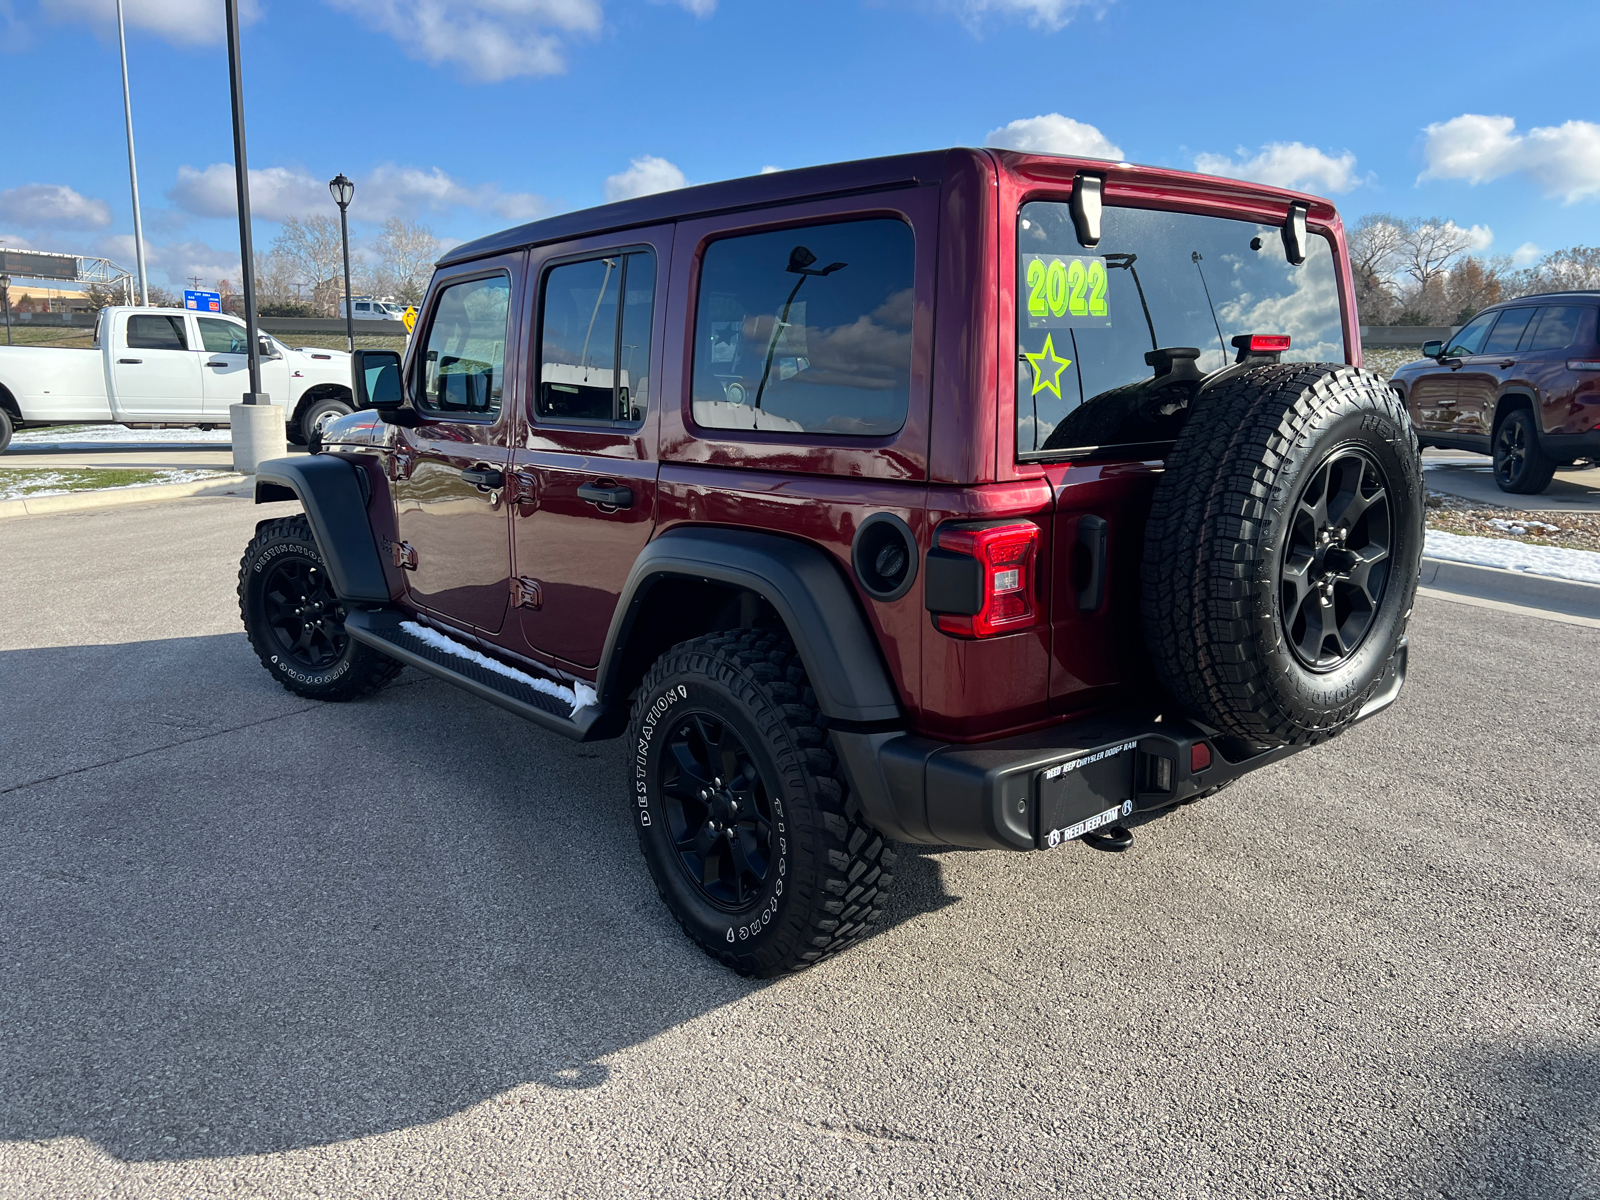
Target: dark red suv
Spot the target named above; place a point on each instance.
(969, 497)
(1520, 381)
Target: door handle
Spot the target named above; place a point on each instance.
(217, 364)
(1507, 362)
(606, 495)
(484, 478)
(130, 361)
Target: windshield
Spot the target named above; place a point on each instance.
(1090, 322)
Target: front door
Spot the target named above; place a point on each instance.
(225, 368)
(1481, 374)
(586, 468)
(155, 373)
(448, 471)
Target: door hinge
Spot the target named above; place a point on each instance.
(526, 593)
(403, 554)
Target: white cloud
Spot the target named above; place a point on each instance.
(53, 204)
(1052, 133)
(1564, 160)
(489, 40)
(770, 170)
(185, 22)
(644, 176)
(1525, 255)
(179, 262)
(1479, 237)
(386, 191)
(12, 241)
(1046, 14)
(700, 8)
(1287, 165)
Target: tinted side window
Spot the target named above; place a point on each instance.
(149, 332)
(806, 330)
(594, 339)
(223, 337)
(463, 367)
(1471, 337)
(1558, 328)
(1508, 330)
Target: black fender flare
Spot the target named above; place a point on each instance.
(332, 492)
(802, 583)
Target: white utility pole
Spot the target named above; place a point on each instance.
(133, 170)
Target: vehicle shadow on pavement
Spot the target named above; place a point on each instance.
(241, 922)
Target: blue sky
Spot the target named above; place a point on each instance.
(476, 114)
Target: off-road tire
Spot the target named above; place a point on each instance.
(347, 669)
(830, 870)
(1527, 473)
(1213, 581)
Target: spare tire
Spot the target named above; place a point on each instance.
(1282, 551)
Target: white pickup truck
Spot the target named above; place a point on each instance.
(166, 366)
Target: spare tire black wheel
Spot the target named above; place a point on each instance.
(1282, 552)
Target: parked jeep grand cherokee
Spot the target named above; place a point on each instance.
(1520, 381)
(972, 498)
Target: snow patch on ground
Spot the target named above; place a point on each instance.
(579, 695)
(27, 484)
(116, 435)
(1555, 561)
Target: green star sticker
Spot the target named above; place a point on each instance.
(1044, 379)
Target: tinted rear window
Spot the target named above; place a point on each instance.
(1087, 318)
(806, 330)
(150, 332)
(1508, 330)
(1557, 329)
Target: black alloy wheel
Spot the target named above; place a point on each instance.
(1511, 457)
(1336, 559)
(305, 617)
(719, 811)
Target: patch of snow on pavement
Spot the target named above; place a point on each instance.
(580, 695)
(1555, 561)
(34, 484)
(116, 435)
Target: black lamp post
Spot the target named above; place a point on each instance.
(241, 170)
(343, 192)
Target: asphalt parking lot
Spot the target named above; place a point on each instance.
(253, 946)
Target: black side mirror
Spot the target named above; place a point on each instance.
(375, 381)
(1432, 349)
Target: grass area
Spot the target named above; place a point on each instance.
(19, 483)
(1570, 530)
(336, 341)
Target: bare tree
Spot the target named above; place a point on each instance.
(1375, 243)
(1565, 270)
(1429, 247)
(100, 295)
(311, 251)
(1475, 283)
(406, 254)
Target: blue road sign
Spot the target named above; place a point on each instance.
(203, 301)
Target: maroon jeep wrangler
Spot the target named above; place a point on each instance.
(965, 498)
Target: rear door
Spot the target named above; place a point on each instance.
(585, 467)
(448, 472)
(1544, 360)
(155, 374)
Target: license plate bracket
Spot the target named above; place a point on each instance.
(1085, 793)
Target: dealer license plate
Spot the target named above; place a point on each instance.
(1083, 794)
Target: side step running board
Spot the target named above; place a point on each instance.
(382, 630)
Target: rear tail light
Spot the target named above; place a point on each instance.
(1260, 347)
(981, 580)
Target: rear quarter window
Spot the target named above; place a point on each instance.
(806, 330)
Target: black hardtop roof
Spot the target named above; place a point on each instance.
(1567, 294)
(730, 195)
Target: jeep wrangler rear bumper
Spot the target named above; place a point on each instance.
(1037, 790)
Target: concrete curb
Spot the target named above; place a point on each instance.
(224, 484)
(1518, 588)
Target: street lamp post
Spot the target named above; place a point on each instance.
(343, 192)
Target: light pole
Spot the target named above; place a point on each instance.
(343, 192)
(257, 423)
(133, 170)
